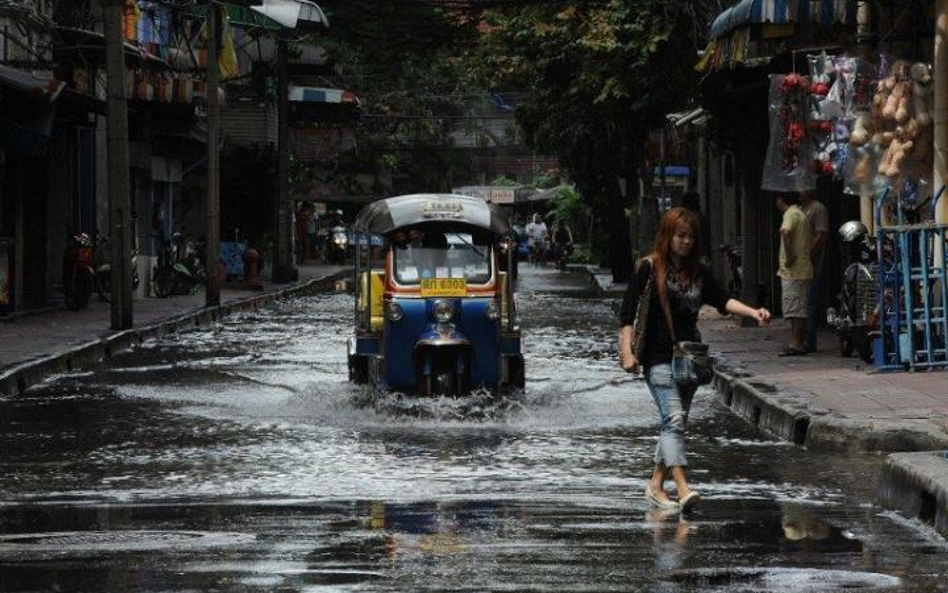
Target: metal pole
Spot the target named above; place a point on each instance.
(863, 36)
(212, 288)
(941, 109)
(283, 265)
(662, 181)
(118, 176)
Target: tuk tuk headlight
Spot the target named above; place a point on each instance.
(443, 311)
(492, 311)
(393, 311)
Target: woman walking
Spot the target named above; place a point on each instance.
(681, 286)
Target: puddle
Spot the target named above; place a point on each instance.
(783, 580)
(71, 542)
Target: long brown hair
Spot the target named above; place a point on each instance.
(661, 254)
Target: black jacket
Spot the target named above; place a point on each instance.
(684, 302)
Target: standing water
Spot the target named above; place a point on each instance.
(239, 458)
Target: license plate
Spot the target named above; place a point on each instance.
(444, 287)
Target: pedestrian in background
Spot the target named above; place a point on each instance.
(796, 269)
(312, 221)
(538, 236)
(682, 284)
(302, 239)
(818, 219)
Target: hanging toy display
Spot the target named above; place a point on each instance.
(787, 166)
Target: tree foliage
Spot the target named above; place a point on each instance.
(406, 62)
(595, 78)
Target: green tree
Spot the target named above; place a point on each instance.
(595, 78)
(407, 63)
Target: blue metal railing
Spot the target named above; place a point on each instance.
(913, 291)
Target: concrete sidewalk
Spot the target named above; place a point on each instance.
(822, 400)
(36, 345)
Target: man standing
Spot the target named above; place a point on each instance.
(817, 218)
(538, 237)
(796, 269)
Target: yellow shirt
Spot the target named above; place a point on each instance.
(794, 222)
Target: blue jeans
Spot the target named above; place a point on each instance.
(813, 313)
(673, 403)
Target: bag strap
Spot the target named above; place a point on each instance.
(642, 310)
(666, 309)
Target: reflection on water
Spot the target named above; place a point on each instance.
(249, 428)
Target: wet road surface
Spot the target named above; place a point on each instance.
(238, 458)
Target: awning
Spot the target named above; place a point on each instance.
(29, 107)
(44, 89)
(748, 12)
(312, 94)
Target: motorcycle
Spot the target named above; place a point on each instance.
(103, 270)
(180, 267)
(561, 253)
(855, 318)
(735, 283)
(337, 249)
(78, 272)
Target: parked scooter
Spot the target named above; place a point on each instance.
(561, 253)
(735, 277)
(103, 270)
(337, 250)
(180, 267)
(78, 271)
(856, 314)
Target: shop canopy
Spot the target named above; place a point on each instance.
(779, 12)
(313, 94)
(747, 31)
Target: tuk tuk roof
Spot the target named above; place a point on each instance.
(385, 216)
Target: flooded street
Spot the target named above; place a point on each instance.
(239, 458)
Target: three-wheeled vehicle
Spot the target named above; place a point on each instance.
(434, 306)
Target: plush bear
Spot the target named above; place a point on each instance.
(894, 159)
(921, 92)
(893, 101)
(860, 134)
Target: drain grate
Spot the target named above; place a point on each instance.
(121, 540)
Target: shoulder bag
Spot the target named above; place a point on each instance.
(691, 363)
(640, 323)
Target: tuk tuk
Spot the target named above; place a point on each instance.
(434, 304)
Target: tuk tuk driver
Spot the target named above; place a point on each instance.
(431, 256)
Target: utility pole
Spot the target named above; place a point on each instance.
(864, 37)
(284, 269)
(212, 288)
(118, 176)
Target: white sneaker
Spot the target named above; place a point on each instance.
(657, 502)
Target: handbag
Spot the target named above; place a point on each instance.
(691, 363)
(640, 323)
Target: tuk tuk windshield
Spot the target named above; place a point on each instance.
(442, 255)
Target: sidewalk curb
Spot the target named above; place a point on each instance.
(768, 415)
(821, 430)
(916, 485)
(21, 377)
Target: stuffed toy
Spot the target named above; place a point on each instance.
(893, 161)
(860, 134)
(921, 92)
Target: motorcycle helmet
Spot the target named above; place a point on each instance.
(852, 231)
